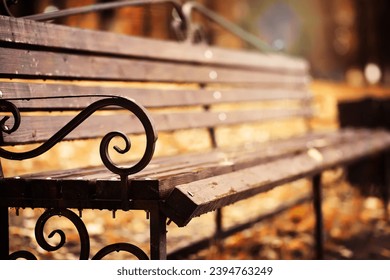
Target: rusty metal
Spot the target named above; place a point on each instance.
(130, 105)
(194, 32)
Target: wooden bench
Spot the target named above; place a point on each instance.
(49, 73)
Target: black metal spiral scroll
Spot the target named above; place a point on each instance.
(132, 106)
(84, 239)
(22, 255)
(39, 235)
(83, 233)
(6, 106)
(127, 247)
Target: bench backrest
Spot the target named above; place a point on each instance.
(44, 60)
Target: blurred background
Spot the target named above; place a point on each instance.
(347, 43)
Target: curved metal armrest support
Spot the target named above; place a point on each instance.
(190, 7)
(130, 105)
(178, 22)
(92, 8)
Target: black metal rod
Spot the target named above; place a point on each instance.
(386, 185)
(158, 234)
(4, 7)
(218, 229)
(318, 230)
(4, 233)
(117, 247)
(103, 6)
(253, 40)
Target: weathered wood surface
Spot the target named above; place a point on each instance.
(191, 164)
(195, 184)
(48, 64)
(184, 169)
(41, 126)
(173, 170)
(35, 51)
(193, 199)
(148, 97)
(50, 36)
(41, 50)
(35, 129)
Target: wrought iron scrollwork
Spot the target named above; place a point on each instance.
(83, 235)
(82, 231)
(130, 105)
(22, 255)
(39, 235)
(127, 247)
(6, 106)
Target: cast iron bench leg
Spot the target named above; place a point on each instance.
(318, 231)
(158, 234)
(4, 233)
(386, 185)
(218, 230)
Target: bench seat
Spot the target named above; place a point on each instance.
(193, 184)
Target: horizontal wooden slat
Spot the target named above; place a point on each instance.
(148, 97)
(316, 152)
(39, 34)
(176, 121)
(15, 62)
(185, 168)
(199, 197)
(41, 128)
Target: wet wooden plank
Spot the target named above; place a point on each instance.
(173, 170)
(155, 97)
(46, 64)
(38, 34)
(193, 199)
(40, 128)
(186, 168)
